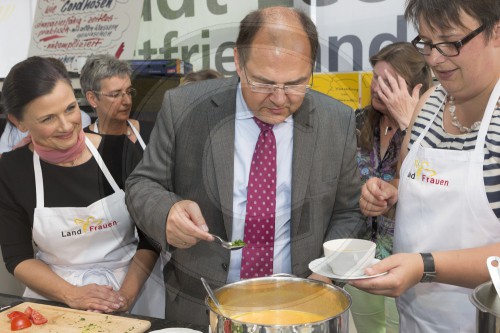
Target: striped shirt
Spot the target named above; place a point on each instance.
(438, 138)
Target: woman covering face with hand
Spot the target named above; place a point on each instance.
(448, 216)
(58, 192)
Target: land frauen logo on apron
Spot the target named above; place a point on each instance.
(426, 174)
(90, 224)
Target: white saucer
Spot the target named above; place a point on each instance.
(176, 330)
(319, 266)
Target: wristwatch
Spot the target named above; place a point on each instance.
(429, 268)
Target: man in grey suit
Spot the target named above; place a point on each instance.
(194, 174)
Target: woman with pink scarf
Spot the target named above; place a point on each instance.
(62, 190)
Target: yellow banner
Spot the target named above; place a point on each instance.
(351, 88)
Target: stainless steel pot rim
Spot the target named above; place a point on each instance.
(281, 278)
(478, 303)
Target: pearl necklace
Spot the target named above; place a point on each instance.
(456, 123)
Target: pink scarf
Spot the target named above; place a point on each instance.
(56, 156)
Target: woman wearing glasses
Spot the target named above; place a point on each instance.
(62, 191)
(448, 216)
(105, 82)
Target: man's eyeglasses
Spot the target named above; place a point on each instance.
(131, 92)
(448, 49)
(289, 89)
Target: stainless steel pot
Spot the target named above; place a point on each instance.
(280, 294)
(487, 303)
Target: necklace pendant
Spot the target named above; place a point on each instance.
(454, 119)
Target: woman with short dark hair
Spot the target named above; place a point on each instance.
(448, 213)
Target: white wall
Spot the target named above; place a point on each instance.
(16, 19)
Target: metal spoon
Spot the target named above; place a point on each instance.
(226, 244)
(212, 296)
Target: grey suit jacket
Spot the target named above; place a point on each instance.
(190, 156)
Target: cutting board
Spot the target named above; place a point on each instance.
(65, 320)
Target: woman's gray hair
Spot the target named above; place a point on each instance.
(99, 67)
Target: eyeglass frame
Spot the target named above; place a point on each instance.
(285, 87)
(457, 44)
(131, 92)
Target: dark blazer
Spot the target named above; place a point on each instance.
(190, 156)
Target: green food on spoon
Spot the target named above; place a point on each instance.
(238, 242)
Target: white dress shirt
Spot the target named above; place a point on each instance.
(246, 135)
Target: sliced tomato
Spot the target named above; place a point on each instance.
(20, 322)
(37, 318)
(14, 314)
(28, 312)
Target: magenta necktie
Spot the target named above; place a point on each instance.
(257, 256)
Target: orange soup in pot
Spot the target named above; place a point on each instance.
(278, 317)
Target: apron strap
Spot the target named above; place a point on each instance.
(136, 132)
(40, 200)
(40, 195)
(485, 122)
(102, 165)
(137, 135)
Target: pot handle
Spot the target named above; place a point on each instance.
(494, 272)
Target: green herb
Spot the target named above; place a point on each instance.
(238, 242)
(89, 328)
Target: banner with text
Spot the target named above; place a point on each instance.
(71, 30)
(203, 32)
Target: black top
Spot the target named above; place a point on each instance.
(146, 127)
(77, 186)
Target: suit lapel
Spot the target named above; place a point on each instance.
(221, 122)
(304, 140)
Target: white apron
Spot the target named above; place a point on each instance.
(152, 295)
(443, 206)
(84, 245)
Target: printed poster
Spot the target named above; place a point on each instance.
(352, 89)
(72, 30)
